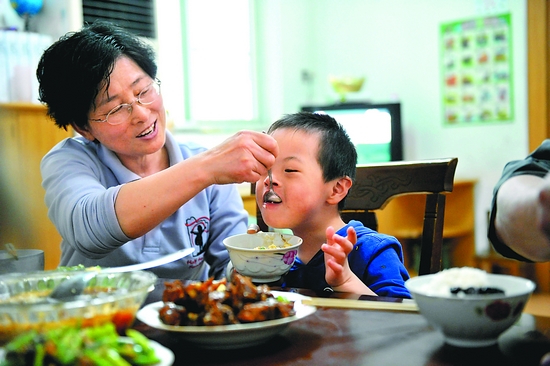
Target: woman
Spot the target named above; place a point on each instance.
(125, 191)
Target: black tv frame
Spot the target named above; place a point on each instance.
(396, 146)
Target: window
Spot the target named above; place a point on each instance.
(136, 16)
(218, 61)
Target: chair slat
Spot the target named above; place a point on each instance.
(376, 183)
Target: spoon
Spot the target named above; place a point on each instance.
(271, 196)
(73, 287)
(11, 250)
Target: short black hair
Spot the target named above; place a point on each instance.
(73, 70)
(337, 155)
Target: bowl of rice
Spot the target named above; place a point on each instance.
(263, 256)
(469, 306)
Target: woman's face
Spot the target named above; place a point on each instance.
(143, 133)
(297, 179)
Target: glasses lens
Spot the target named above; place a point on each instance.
(119, 114)
(149, 94)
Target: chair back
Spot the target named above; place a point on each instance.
(376, 184)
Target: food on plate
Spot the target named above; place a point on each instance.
(460, 282)
(97, 345)
(220, 303)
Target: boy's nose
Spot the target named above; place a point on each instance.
(266, 181)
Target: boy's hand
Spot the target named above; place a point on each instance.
(336, 251)
(338, 274)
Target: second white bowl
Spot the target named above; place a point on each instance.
(262, 265)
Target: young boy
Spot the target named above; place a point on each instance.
(312, 175)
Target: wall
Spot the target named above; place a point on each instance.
(394, 43)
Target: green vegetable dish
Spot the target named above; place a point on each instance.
(98, 345)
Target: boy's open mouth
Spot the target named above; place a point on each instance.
(271, 197)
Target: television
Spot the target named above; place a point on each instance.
(374, 129)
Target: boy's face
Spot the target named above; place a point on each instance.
(297, 179)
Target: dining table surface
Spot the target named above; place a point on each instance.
(351, 336)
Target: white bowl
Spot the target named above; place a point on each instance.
(262, 265)
(472, 320)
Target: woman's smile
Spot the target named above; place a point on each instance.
(149, 133)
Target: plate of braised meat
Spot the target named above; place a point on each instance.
(224, 314)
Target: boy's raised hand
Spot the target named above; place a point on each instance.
(336, 251)
(338, 274)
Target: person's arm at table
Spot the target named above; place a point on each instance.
(522, 218)
(143, 204)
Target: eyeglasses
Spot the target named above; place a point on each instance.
(121, 113)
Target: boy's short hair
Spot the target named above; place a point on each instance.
(337, 155)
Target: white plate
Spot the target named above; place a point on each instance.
(165, 355)
(233, 335)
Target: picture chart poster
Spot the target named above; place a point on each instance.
(476, 67)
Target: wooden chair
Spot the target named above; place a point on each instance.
(376, 184)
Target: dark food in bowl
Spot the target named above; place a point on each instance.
(221, 303)
(477, 290)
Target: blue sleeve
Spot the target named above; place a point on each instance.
(377, 259)
(386, 274)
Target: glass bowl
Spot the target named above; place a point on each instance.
(108, 297)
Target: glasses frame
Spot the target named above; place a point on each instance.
(129, 106)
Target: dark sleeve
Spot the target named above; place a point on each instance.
(538, 164)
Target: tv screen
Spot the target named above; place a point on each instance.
(374, 129)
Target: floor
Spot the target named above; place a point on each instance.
(539, 304)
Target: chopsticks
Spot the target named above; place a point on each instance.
(360, 304)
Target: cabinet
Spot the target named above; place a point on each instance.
(26, 135)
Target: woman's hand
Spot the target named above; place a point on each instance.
(244, 157)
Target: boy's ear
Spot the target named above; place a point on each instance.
(340, 189)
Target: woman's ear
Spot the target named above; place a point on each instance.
(84, 132)
(340, 189)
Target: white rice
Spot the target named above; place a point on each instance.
(463, 277)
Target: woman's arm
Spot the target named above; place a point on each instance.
(143, 204)
(522, 218)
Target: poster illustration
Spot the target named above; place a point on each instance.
(476, 65)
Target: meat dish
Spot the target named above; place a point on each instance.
(221, 303)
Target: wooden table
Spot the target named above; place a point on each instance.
(333, 336)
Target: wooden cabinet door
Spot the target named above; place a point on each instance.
(26, 135)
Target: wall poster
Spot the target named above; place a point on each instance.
(476, 65)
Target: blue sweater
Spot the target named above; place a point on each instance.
(377, 259)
